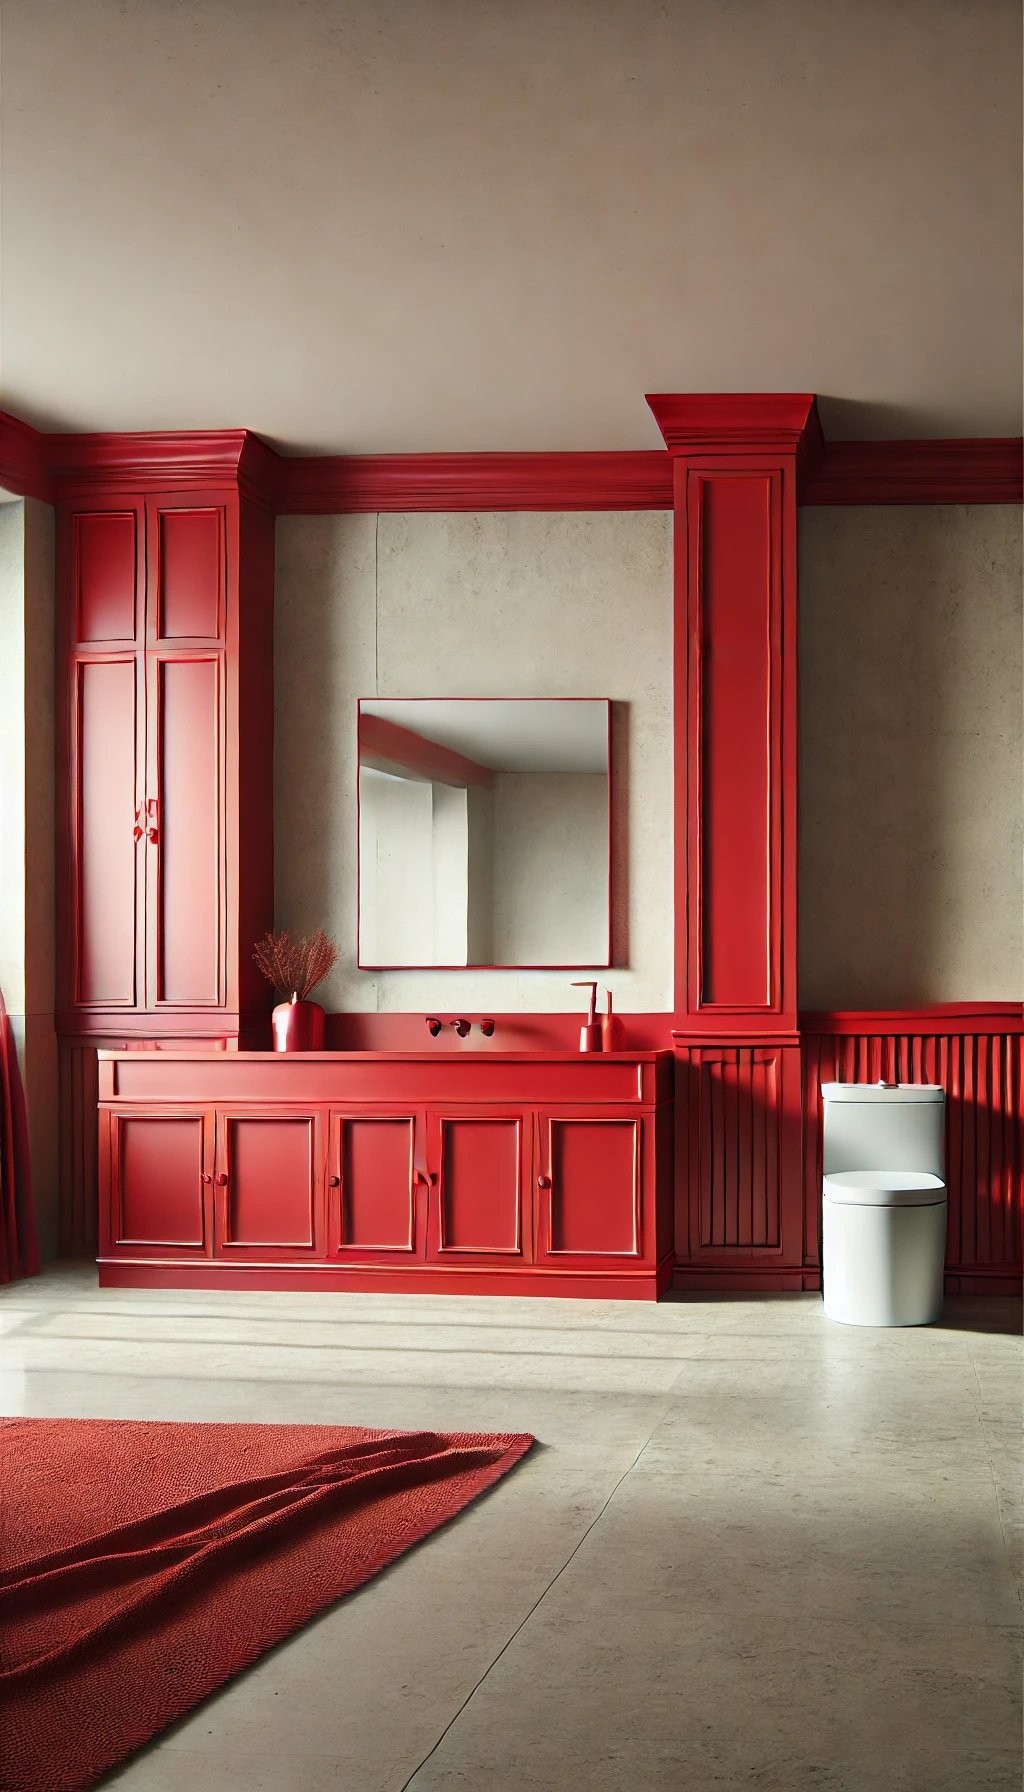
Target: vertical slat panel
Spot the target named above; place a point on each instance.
(983, 1152)
(729, 1147)
(770, 1098)
(969, 1189)
(745, 1192)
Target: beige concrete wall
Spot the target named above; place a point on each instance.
(27, 829)
(911, 772)
(512, 605)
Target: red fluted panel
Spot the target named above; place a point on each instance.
(982, 1074)
(78, 1095)
(738, 1111)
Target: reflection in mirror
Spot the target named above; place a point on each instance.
(484, 832)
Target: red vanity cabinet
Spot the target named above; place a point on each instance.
(319, 1174)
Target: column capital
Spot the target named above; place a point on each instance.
(777, 423)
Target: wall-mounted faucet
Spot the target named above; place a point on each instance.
(461, 1026)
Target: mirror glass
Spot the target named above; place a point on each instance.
(484, 832)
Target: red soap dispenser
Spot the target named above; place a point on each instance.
(611, 1028)
(590, 1032)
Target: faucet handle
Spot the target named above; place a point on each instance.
(433, 1025)
(461, 1026)
(487, 1028)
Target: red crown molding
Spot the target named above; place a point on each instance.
(325, 484)
(23, 459)
(942, 1017)
(976, 470)
(727, 422)
(983, 470)
(79, 464)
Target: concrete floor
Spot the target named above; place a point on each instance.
(752, 1550)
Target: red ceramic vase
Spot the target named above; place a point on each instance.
(299, 1027)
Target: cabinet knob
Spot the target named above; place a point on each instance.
(206, 1177)
(221, 1179)
(334, 1181)
(543, 1182)
(427, 1177)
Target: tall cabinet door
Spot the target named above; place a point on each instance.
(102, 885)
(185, 873)
(377, 1183)
(479, 1201)
(101, 753)
(186, 731)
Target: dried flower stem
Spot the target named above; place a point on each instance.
(295, 967)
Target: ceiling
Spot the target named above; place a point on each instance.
(508, 734)
(414, 225)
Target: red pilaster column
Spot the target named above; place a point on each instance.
(737, 458)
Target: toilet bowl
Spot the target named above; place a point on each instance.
(884, 1203)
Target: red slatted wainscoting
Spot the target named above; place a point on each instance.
(977, 1055)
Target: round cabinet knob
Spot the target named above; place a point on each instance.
(334, 1181)
(221, 1179)
(206, 1177)
(543, 1182)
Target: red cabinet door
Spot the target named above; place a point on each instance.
(590, 1182)
(377, 1183)
(183, 830)
(156, 1184)
(479, 1164)
(186, 582)
(101, 878)
(268, 1186)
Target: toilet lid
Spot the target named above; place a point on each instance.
(884, 1188)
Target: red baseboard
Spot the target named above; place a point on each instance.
(688, 1279)
(615, 1284)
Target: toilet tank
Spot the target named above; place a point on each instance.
(871, 1127)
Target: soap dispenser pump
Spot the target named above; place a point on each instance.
(590, 1032)
(611, 1028)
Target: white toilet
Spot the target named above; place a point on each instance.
(884, 1203)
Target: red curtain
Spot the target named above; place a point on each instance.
(19, 1254)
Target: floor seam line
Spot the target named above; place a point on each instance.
(507, 1644)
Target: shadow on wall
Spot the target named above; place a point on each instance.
(910, 756)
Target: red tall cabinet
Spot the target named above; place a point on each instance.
(165, 769)
(737, 460)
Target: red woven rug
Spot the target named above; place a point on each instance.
(142, 1565)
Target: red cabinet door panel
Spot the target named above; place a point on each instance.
(376, 1179)
(593, 1172)
(189, 569)
(267, 1185)
(183, 831)
(477, 1204)
(105, 797)
(104, 563)
(159, 1201)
